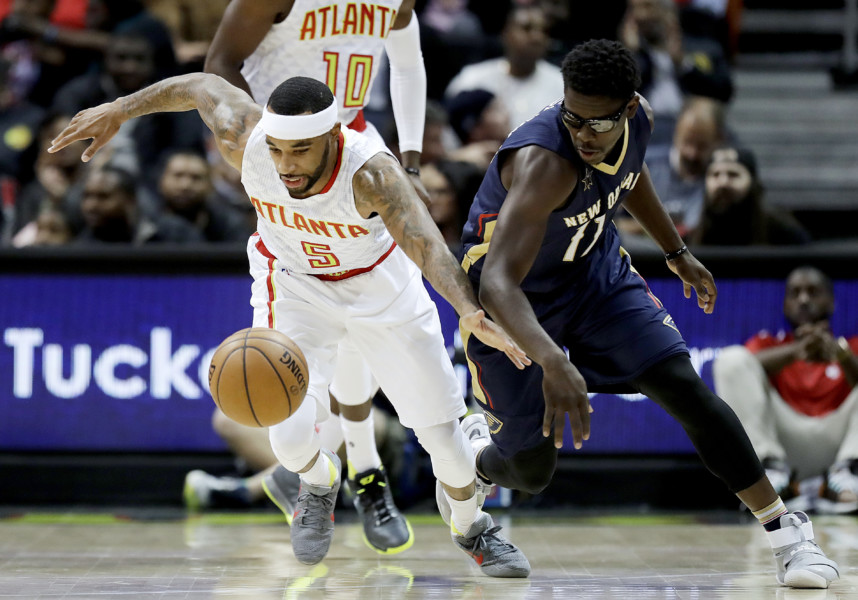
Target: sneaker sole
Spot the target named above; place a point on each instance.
(805, 580)
(273, 498)
(397, 549)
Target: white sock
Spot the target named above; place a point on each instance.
(330, 433)
(360, 445)
(322, 473)
(465, 512)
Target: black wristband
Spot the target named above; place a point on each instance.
(676, 253)
(412, 170)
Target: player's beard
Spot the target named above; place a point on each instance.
(314, 177)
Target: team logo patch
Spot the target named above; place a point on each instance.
(668, 320)
(493, 422)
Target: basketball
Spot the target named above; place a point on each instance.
(258, 376)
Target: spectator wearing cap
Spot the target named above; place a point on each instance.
(735, 213)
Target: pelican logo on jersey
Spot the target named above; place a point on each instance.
(358, 19)
(277, 215)
(668, 320)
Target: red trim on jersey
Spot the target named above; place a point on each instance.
(352, 272)
(337, 166)
(269, 280)
(480, 383)
(649, 293)
(480, 221)
(358, 123)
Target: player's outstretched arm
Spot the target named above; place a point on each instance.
(381, 187)
(228, 111)
(643, 204)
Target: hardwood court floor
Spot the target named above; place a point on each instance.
(99, 556)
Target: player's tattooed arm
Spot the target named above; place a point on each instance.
(382, 188)
(228, 111)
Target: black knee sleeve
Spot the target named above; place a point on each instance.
(529, 471)
(712, 426)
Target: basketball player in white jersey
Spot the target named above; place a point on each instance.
(342, 241)
(259, 44)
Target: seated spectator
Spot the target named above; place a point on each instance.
(50, 228)
(452, 36)
(111, 213)
(49, 52)
(522, 78)
(482, 122)
(186, 191)
(137, 56)
(673, 64)
(795, 394)
(192, 25)
(451, 186)
(678, 171)
(19, 122)
(735, 213)
(58, 181)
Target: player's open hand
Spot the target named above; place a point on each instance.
(492, 334)
(694, 275)
(99, 123)
(565, 393)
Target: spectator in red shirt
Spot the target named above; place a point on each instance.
(795, 393)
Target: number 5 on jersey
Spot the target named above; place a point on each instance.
(320, 255)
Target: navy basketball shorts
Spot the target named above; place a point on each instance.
(612, 336)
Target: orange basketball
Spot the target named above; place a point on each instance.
(258, 376)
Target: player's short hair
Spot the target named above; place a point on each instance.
(601, 68)
(298, 95)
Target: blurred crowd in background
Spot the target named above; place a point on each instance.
(491, 64)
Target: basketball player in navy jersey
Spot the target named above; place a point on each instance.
(545, 258)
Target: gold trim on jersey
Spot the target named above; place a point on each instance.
(476, 388)
(612, 169)
(475, 253)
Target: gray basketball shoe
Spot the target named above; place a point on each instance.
(801, 563)
(313, 521)
(496, 556)
(281, 487)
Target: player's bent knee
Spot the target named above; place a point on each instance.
(451, 455)
(533, 477)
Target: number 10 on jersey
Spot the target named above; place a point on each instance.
(357, 77)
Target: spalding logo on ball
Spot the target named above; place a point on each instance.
(258, 376)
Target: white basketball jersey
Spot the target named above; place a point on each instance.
(322, 234)
(334, 41)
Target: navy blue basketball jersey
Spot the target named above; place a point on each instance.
(580, 236)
